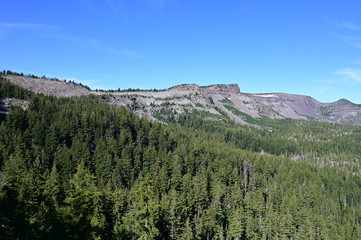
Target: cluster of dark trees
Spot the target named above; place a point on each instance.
(284, 137)
(77, 168)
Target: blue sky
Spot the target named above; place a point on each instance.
(302, 47)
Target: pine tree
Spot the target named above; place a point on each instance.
(237, 223)
(82, 211)
(142, 218)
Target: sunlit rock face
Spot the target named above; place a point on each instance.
(220, 99)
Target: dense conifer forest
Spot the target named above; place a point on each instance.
(78, 168)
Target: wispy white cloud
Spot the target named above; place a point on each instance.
(349, 74)
(117, 7)
(90, 6)
(6, 27)
(156, 3)
(350, 40)
(346, 25)
(129, 53)
(322, 90)
(120, 8)
(355, 44)
(113, 7)
(52, 31)
(28, 26)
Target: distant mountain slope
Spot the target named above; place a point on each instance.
(302, 107)
(229, 101)
(216, 102)
(49, 86)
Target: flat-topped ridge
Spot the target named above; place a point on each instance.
(225, 88)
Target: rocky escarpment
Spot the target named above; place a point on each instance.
(227, 100)
(215, 102)
(304, 107)
(48, 86)
(223, 88)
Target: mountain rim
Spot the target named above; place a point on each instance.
(212, 101)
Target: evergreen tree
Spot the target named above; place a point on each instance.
(82, 210)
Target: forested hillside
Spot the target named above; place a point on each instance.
(318, 143)
(78, 168)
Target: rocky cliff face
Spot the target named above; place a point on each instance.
(224, 88)
(49, 87)
(227, 99)
(214, 101)
(303, 107)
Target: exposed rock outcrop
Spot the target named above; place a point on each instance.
(49, 87)
(224, 88)
(217, 100)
